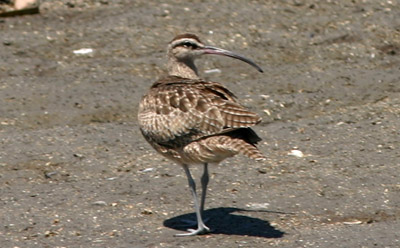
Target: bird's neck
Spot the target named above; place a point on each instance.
(182, 68)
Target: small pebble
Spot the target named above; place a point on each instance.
(356, 222)
(77, 155)
(50, 174)
(83, 51)
(147, 169)
(99, 203)
(212, 71)
(296, 153)
(262, 170)
(258, 205)
(147, 211)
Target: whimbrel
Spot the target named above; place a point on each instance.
(193, 121)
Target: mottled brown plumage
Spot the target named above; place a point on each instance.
(186, 119)
(192, 121)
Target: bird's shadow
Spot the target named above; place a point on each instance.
(223, 221)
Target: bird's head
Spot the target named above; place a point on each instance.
(188, 47)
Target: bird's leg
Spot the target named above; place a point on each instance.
(204, 183)
(201, 227)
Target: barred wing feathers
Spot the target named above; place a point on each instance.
(177, 111)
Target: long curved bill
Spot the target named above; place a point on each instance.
(219, 51)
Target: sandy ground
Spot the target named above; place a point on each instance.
(75, 171)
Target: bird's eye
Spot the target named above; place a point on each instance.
(189, 44)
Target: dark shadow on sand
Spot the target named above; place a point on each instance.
(223, 221)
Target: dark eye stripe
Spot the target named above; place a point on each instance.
(187, 44)
(190, 44)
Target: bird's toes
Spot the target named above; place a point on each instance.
(192, 232)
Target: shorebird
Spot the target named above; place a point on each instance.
(193, 121)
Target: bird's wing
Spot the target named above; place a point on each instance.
(179, 112)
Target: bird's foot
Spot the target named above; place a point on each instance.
(202, 229)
